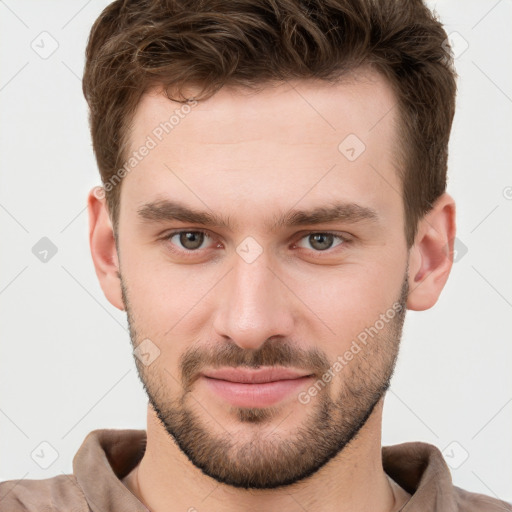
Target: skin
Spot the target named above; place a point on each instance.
(250, 157)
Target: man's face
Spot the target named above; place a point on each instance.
(304, 265)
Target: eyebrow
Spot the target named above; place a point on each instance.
(166, 210)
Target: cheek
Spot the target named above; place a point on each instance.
(167, 300)
(350, 299)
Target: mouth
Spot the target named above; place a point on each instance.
(261, 387)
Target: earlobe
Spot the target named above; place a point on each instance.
(431, 256)
(103, 249)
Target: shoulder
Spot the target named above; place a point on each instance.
(58, 494)
(420, 469)
(474, 502)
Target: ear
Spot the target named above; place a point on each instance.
(431, 256)
(103, 247)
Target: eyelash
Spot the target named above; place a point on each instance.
(190, 253)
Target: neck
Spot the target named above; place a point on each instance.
(166, 481)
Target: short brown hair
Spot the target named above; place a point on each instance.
(138, 44)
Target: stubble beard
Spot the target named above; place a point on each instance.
(265, 459)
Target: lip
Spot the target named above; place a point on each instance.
(260, 387)
(254, 376)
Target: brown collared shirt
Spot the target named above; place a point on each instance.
(107, 456)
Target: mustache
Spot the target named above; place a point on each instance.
(273, 352)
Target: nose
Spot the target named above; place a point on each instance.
(254, 305)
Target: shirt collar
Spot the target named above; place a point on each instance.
(105, 457)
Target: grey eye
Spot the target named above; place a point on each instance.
(190, 240)
(320, 241)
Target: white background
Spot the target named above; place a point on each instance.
(65, 364)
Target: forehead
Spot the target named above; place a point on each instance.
(242, 147)
(359, 101)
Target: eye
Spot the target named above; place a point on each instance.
(321, 241)
(188, 240)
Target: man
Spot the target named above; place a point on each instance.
(273, 201)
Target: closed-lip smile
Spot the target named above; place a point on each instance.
(254, 387)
